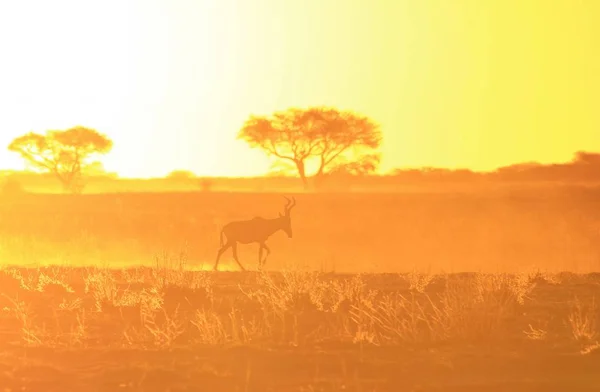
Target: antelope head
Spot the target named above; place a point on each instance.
(285, 217)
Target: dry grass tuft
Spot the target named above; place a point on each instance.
(168, 306)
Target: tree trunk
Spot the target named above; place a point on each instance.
(302, 173)
(72, 184)
(64, 182)
(321, 167)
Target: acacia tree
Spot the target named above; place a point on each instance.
(64, 153)
(330, 139)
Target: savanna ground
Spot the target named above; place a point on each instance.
(376, 292)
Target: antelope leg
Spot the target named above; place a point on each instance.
(219, 253)
(235, 256)
(268, 253)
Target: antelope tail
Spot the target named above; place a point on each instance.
(221, 238)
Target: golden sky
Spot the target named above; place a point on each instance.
(457, 83)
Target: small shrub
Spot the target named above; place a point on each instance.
(11, 187)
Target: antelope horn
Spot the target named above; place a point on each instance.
(291, 204)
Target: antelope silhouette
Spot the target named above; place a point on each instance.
(255, 230)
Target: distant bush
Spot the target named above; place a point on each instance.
(11, 187)
(205, 184)
(181, 175)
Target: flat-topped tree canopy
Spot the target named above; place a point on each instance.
(65, 153)
(326, 138)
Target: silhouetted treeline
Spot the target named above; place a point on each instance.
(583, 169)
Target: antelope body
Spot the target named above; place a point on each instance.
(254, 230)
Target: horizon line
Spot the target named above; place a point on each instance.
(116, 175)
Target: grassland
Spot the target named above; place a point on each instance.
(503, 231)
(373, 293)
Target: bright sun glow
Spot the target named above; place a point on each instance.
(63, 68)
(458, 84)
